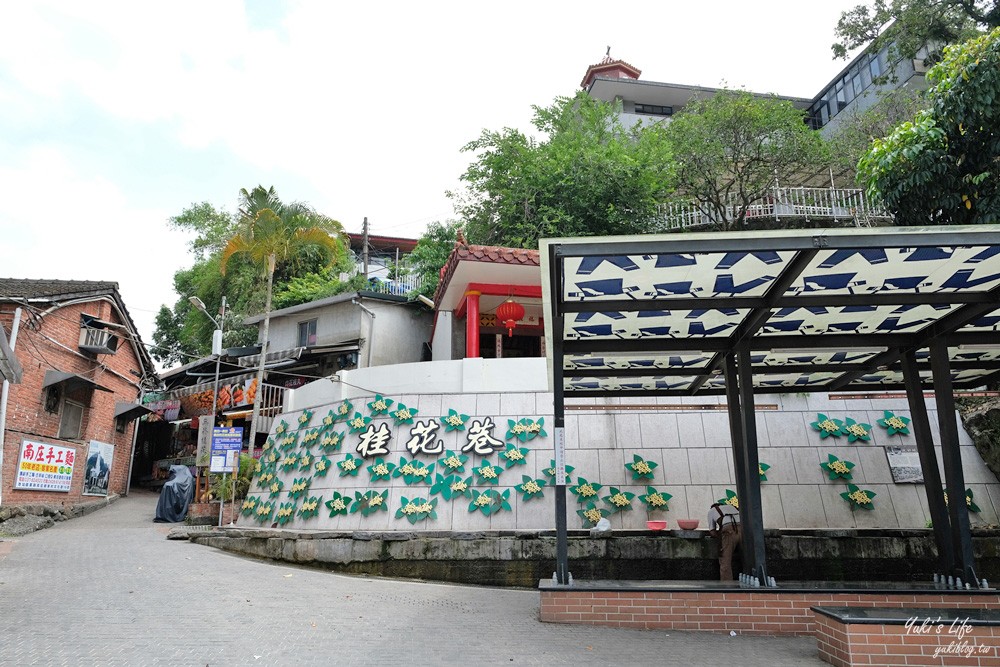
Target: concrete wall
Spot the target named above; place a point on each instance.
(690, 443)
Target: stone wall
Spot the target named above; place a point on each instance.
(688, 439)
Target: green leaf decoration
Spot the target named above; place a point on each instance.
(857, 431)
(618, 500)
(380, 406)
(331, 441)
(310, 507)
(329, 420)
(550, 472)
(414, 472)
(286, 512)
(310, 438)
(370, 502)
(585, 491)
(403, 414)
(490, 501)
(269, 443)
(487, 473)
(894, 423)
(973, 507)
(762, 468)
(858, 498)
(299, 487)
(418, 509)
(350, 466)
(827, 426)
(281, 428)
(263, 511)
(275, 489)
(837, 468)
(730, 499)
(338, 505)
(264, 479)
(305, 418)
(655, 500)
(344, 410)
(323, 466)
(249, 505)
(453, 462)
(289, 462)
(526, 429)
(358, 422)
(514, 455)
(640, 468)
(305, 462)
(380, 470)
(442, 485)
(531, 488)
(268, 459)
(454, 421)
(288, 441)
(454, 487)
(591, 514)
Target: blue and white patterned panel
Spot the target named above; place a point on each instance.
(793, 380)
(671, 275)
(628, 384)
(988, 322)
(645, 324)
(853, 319)
(811, 358)
(636, 360)
(877, 270)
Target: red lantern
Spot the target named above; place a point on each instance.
(509, 312)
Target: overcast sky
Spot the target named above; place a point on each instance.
(115, 116)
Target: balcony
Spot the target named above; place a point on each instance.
(781, 207)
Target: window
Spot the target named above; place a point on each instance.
(307, 333)
(654, 110)
(71, 420)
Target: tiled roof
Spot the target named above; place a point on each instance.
(608, 64)
(30, 288)
(483, 253)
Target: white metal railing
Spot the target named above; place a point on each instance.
(399, 286)
(835, 204)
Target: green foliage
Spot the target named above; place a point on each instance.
(314, 286)
(942, 168)
(856, 130)
(222, 486)
(432, 252)
(731, 147)
(587, 175)
(905, 26)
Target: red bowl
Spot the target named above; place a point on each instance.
(687, 524)
(656, 525)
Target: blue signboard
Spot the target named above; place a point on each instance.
(226, 446)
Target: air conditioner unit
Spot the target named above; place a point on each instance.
(96, 336)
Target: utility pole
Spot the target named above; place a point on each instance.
(364, 247)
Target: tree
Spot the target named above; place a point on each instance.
(272, 234)
(432, 252)
(731, 148)
(944, 166)
(905, 26)
(858, 129)
(586, 175)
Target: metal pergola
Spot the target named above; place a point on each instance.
(741, 314)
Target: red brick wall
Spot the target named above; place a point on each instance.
(772, 613)
(43, 348)
(858, 644)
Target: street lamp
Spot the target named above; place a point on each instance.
(217, 351)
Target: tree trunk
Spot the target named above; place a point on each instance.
(263, 356)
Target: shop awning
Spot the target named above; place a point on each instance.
(70, 381)
(295, 353)
(129, 411)
(251, 360)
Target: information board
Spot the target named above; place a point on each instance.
(226, 446)
(44, 467)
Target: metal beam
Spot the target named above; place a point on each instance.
(751, 467)
(558, 407)
(736, 435)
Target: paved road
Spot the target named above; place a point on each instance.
(109, 589)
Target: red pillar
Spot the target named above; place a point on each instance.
(472, 324)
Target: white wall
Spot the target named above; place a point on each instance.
(692, 448)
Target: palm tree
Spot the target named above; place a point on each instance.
(274, 233)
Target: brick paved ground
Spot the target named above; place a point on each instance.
(109, 589)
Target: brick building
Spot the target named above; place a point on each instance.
(67, 429)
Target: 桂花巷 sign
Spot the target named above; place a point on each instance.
(44, 467)
(226, 446)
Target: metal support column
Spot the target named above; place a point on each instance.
(928, 463)
(751, 467)
(559, 415)
(961, 530)
(736, 434)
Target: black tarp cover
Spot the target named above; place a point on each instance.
(175, 496)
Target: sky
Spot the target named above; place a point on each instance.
(116, 116)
